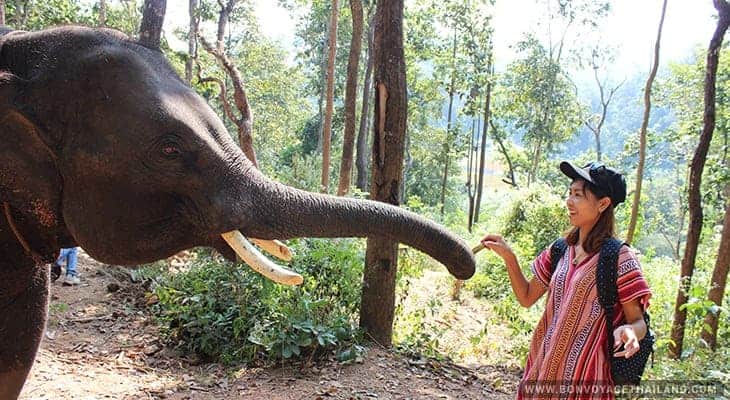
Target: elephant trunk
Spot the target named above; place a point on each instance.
(282, 212)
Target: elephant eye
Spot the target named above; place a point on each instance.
(170, 151)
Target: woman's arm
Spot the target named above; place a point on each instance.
(527, 293)
(634, 330)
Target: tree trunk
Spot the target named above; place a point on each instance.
(327, 129)
(391, 111)
(719, 278)
(503, 149)
(447, 145)
(102, 12)
(244, 123)
(407, 165)
(642, 132)
(150, 30)
(353, 65)
(483, 147)
(695, 179)
(537, 153)
(192, 40)
(471, 173)
(2, 12)
(361, 158)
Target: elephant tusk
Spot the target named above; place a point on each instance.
(275, 248)
(258, 262)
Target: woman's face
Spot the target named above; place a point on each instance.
(584, 208)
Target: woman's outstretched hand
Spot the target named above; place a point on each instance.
(497, 244)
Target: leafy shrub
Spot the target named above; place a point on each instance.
(227, 312)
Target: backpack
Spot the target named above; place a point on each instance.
(625, 371)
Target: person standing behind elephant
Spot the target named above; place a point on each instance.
(70, 257)
(567, 344)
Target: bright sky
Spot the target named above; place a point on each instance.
(630, 28)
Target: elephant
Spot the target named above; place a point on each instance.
(103, 146)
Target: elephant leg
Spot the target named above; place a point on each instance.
(23, 307)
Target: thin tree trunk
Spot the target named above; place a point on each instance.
(642, 133)
(447, 144)
(503, 149)
(330, 98)
(471, 173)
(244, 122)
(361, 158)
(472, 165)
(102, 12)
(719, 278)
(353, 65)
(695, 179)
(192, 40)
(150, 30)
(390, 120)
(532, 176)
(2, 12)
(322, 94)
(483, 149)
(407, 165)
(605, 101)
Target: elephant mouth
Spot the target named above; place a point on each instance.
(234, 244)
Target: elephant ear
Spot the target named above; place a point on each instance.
(29, 179)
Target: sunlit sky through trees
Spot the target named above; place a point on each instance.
(630, 28)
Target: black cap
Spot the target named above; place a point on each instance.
(604, 181)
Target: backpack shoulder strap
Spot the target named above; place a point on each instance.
(557, 249)
(606, 282)
(607, 272)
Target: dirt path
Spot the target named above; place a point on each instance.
(102, 344)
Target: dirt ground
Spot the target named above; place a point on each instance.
(101, 343)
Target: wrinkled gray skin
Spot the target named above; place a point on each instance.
(103, 146)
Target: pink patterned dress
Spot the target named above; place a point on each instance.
(567, 358)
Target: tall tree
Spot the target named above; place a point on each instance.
(719, 278)
(330, 98)
(539, 100)
(353, 65)
(244, 119)
(642, 132)
(361, 158)
(695, 178)
(390, 121)
(474, 20)
(2, 12)
(153, 16)
(194, 18)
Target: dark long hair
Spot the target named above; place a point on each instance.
(603, 229)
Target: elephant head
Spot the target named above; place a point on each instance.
(104, 146)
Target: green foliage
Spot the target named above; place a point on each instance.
(536, 219)
(539, 101)
(29, 15)
(698, 362)
(223, 311)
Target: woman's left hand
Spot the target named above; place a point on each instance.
(626, 336)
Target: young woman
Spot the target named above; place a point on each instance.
(568, 345)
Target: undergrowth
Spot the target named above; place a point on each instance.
(226, 312)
